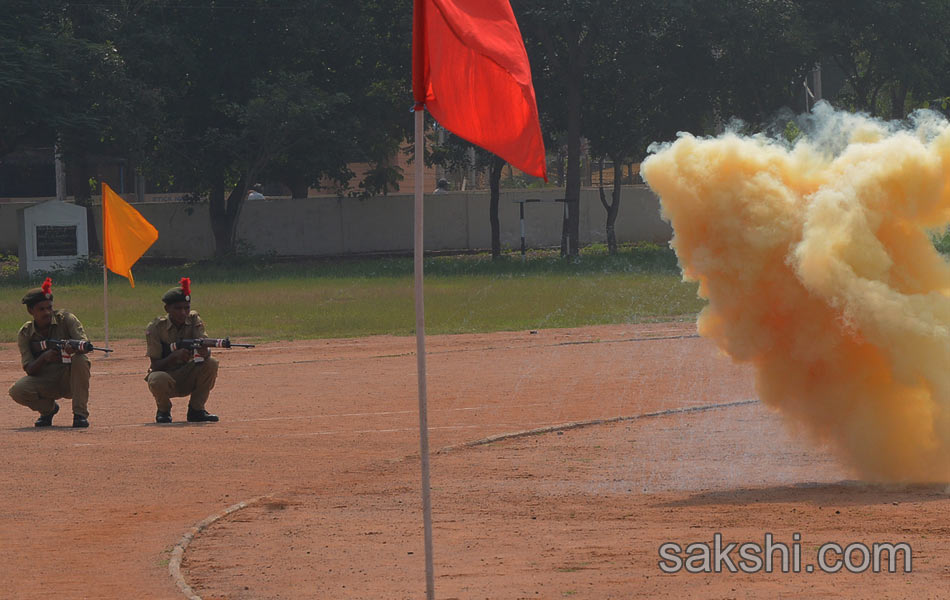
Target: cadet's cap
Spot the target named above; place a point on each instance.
(37, 295)
(182, 293)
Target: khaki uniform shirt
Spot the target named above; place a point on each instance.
(64, 326)
(161, 333)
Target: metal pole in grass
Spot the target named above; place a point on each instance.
(105, 277)
(105, 304)
(521, 210)
(417, 253)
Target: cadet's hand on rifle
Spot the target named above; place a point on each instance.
(52, 355)
(180, 356)
(70, 350)
(204, 352)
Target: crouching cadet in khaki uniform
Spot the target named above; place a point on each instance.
(51, 373)
(174, 371)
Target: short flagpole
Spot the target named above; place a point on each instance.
(421, 356)
(105, 304)
(105, 276)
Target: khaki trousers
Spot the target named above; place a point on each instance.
(192, 378)
(56, 380)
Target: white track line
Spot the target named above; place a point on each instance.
(312, 433)
(393, 430)
(178, 553)
(579, 424)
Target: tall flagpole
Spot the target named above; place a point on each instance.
(421, 356)
(471, 67)
(418, 92)
(417, 253)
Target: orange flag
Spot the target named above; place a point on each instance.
(126, 234)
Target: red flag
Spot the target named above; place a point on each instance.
(471, 71)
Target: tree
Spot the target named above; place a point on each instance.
(892, 54)
(260, 87)
(43, 63)
(761, 51)
(64, 85)
(559, 38)
(638, 89)
(455, 154)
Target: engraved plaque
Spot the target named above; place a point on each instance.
(56, 240)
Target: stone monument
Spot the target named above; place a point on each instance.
(52, 235)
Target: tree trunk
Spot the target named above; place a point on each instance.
(565, 231)
(588, 171)
(898, 100)
(235, 205)
(299, 185)
(572, 191)
(225, 213)
(614, 208)
(614, 205)
(494, 181)
(571, 64)
(560, 168)
(220, 227)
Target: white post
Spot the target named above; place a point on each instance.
(105, 301)
(523, 247)
(417, 253)
(105, 275)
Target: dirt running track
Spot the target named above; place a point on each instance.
(326, 430)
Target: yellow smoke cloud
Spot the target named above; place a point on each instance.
(819, 271)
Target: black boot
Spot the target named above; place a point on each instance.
(163, 417)
(80, 421)
(201, 416)
(47, 420)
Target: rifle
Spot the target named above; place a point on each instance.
(83, 345)
(194, 344)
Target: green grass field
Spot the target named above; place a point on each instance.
(262, 300)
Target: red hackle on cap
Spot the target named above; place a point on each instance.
(185, 286)
(47, 285)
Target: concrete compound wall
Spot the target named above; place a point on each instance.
(328, 226)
